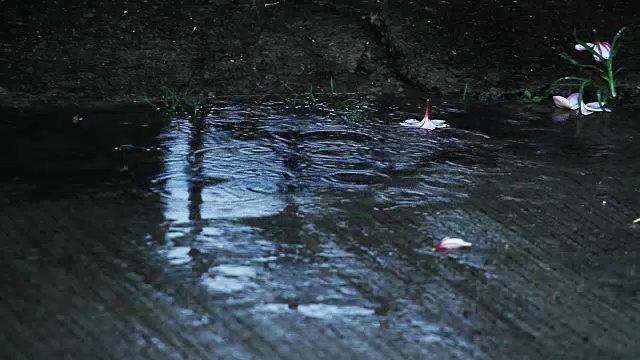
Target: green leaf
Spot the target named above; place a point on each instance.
(618, 70)
(577, 63)
(617, 36)
(567, 81)
(602, 100)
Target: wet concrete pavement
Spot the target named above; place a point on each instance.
(268, 233)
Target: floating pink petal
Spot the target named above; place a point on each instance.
(451, 243)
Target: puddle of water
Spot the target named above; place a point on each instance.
(226, 284)
(323, 311)
(259, 216)
(236, 271)
(319, 311)
(179, 255)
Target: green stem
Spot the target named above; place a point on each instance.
(613, 52)
(612, 83)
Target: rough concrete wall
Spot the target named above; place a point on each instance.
(57, 52)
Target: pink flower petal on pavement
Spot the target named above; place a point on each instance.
(595, 106)
(451, 243)
(573, 100)
(570, 102)
(584, 110)
(561, 102)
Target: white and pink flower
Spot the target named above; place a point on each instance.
(602, 48)
(571, 103)
(425, 123)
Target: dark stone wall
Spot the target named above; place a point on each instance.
(65, 53)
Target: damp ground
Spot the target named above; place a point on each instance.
(274, 231)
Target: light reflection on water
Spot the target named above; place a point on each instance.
(209, 174)
(258, 163)
(226, 181)
(304, 215)
(297, 169)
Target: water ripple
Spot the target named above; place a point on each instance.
(356, 178)
(248, 159)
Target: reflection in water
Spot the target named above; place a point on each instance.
(179, 255)
(319, 311)
(229, 278)
(221, 182)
